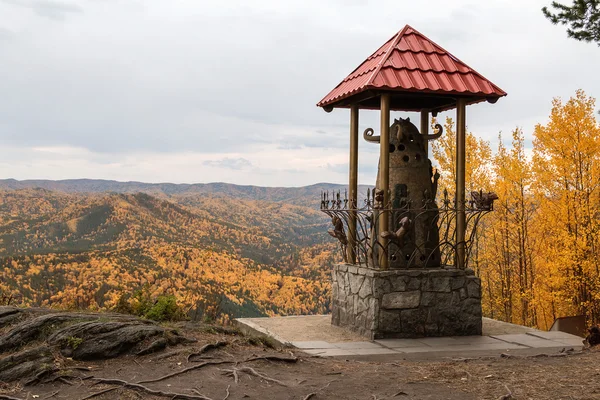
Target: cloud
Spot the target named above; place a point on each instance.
(268, 168)
(365, 169)
(289, 146)
(339, 168)
(5, 34)
(135, 84)
(231, 163)
(56, 10)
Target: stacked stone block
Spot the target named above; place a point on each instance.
(406, 303)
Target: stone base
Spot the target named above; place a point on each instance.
(406, 303)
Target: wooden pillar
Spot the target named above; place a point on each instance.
(384, 174)
(460, 183)
(425, 129)
(353, 183)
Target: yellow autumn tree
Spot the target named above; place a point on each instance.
(478, 158)
(566, 158)
(507, 266)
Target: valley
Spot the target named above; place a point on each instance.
(222, 254)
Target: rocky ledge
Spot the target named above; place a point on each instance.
(31, 337)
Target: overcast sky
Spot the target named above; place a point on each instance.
(204, 91)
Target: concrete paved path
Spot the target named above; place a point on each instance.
(315, 335)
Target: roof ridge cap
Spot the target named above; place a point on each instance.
(437, 71)
(388, 52)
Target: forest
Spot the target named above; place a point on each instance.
(217, 256)
(537, 254)
(223, 251)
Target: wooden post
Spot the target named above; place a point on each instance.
(353, 183)
(460, 183)
(425, 129)
(384, 175)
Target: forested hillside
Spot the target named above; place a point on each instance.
(219, 256)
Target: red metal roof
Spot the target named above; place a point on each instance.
(411, 62)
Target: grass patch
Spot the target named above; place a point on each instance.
(74, 342)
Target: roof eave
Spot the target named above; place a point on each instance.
(358, 96)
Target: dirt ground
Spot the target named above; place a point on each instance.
(243, 368)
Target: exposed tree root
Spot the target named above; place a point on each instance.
(232, 372)
(52, 394)
(310, 395)
(206, 348)
(100, 393)
(145, 389)
(183, 371)
(42, 374)
(168, 354)
(157, 345)
(197, 392)
(570, 352)
(252, 371)
(7, 397)
(227, 392)
(273, 358)
(507, 396)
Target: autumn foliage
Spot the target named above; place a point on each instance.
(538, 252)
(215, 257)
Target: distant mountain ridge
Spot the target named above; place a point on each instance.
(292, 195)
(222, 250)
(221, 256)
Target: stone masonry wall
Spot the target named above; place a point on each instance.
(406, 303)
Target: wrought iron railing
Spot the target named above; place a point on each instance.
(422, 235)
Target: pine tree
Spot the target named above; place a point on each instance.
(583, 17)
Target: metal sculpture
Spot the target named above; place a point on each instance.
(484, 201)
(404, 129)
(397, 237)
(339, 233)
(413, 183)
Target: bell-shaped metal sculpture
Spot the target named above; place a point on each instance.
(413, 238)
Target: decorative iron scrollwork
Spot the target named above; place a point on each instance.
(398, 244)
